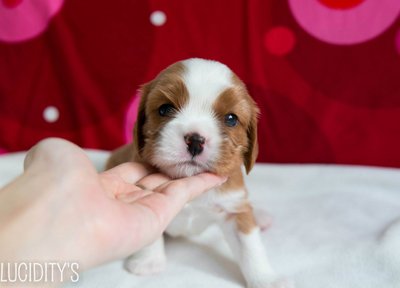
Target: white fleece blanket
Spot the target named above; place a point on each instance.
(333, 227)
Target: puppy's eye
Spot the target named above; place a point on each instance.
(166, 110)
(231, 120)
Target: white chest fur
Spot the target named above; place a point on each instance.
(211, 207)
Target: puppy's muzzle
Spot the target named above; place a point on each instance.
(195, 143)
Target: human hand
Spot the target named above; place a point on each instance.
(62, 209)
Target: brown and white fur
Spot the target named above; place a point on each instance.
(201, 93)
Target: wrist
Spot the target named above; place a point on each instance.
(28, 254)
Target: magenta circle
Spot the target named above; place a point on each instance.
(130, 117)
(345, 26)
(26, 20)
(279, 40)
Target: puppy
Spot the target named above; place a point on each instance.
(197, 116)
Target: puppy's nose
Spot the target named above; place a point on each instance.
(194, 143)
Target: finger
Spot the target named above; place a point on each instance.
(173, 195)
(191, 187)
(122, 178)
(133, 195)
(115, 186)
(154, 211)
(129, 172)
(153, 181)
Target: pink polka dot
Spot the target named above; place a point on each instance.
(356, 24)
(11, 3)
(3, 151)
(397, 41)
(279, 41)
(130, 117)
(26, 19)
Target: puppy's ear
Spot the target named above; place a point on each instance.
(251, 154)
(138, 136)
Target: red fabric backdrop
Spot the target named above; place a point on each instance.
(325, 73)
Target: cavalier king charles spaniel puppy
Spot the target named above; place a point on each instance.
(197, 116)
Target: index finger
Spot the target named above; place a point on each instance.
(185, 189)
(129, 172)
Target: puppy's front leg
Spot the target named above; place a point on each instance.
(149, 260)
(243, 235)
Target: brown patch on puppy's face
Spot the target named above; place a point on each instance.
(167, 89)
(239, 141)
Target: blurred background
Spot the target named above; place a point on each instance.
(325, 73)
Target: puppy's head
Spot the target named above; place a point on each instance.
(196, 116)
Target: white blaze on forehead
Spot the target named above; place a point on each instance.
(205, 80)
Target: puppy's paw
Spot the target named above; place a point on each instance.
(263, 218)
(279, 283)
(145, 265)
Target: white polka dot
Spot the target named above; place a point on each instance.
(158, 18)
(51, 114)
